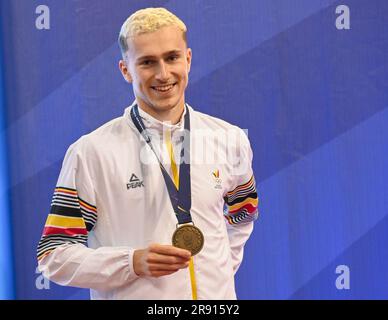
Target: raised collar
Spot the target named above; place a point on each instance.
(152, 123)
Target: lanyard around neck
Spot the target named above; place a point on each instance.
(180, 198)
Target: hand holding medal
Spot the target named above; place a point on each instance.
(159, 260)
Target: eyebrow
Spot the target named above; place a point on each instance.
(164, 54)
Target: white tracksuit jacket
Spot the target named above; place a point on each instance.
(111, 199)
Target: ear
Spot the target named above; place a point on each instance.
(125, 71)
(189, 55)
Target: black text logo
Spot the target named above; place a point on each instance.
(134, 182)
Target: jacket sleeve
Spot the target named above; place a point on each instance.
(241, 202)
(63, 255)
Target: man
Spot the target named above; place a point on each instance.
(140, 193)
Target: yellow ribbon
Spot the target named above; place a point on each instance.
(175, 176)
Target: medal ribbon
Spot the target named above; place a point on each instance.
(179, 188)
(175, 176)
(180, 198)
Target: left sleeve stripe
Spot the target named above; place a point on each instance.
(237, 206)
(65, 211)
(69, 221)
(52, 241)
(65, 231)
(65, 222)
(252, 195)
(66, 191)
(241, 187)
(242, 203)
(248, 206)
(242, 217)
(87, 206)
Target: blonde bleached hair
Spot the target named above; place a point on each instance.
(146, 21)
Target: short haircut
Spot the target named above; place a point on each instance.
(148, 20)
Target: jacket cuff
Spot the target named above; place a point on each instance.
(132, 274)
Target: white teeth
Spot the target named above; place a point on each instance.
(164, 88)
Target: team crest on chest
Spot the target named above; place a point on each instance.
(217, 179)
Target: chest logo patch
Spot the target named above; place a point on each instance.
(217, 180)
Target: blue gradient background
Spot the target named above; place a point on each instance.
(313, 98)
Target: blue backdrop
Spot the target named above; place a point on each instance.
(314, 99)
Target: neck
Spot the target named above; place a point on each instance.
(172, 115)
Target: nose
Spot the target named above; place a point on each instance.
(163, 72)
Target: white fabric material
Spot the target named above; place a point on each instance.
(130, 219)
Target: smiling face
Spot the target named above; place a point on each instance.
(157, 64)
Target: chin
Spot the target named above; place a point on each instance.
(165, 105)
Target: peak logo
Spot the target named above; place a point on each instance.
(134, 182)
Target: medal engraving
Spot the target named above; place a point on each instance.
(188, 237)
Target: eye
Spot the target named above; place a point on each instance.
(146, 62)
(172, 58)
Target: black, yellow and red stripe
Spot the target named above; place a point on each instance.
(69, 221)
(242, 203)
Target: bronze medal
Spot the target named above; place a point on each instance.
(188, 237)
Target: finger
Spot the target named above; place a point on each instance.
(170, 251)
(162, 258)
(166, 267)
(158, 274)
